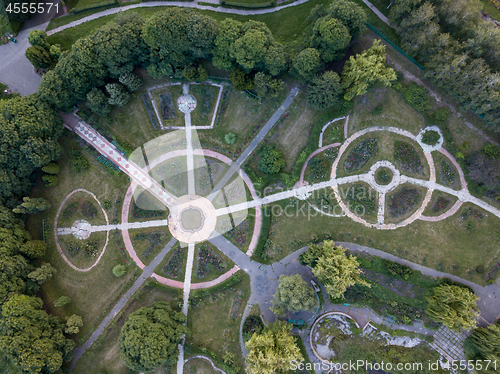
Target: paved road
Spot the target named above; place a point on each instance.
(147, 271)
(15, 70)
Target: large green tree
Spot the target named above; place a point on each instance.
(38, 56)
(97, 102)
(330, 37)
(118, 95)
(42, 273)
(307, 64)
(350, 14)
(486, 340)
(31, 338)
(29, 130)
(293, 294)
(273, 351)
(336, 270)
(270, 160)
(453, 306)
(324, 91)
(38, 37)
(34, 249)
(364, 69)
(178, 37)
(150, 336)
(265, 85)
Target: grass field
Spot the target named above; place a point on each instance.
(416, 242)
(211, 322)
(199, 366)
(104, 355)
(490, 8)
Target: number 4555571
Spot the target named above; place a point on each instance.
(30, 8)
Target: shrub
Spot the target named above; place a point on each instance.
(430, 137)
(398, 270)
(378, 110)
(440, 116)
(50, 180)
(79, 163)
(106, 204)
(119, 271)
(131, 81)
(51, 168)
(89, 211)
(383, 176)
(271, 160)
(195, 74)
(73, 248)
(63, 300)
(252, 325)
(417, 96)
(230, 138)
(480, 269)
(240, 80)
(91, 248)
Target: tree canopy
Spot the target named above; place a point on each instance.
(336, 270)
(486, 341)
(270, 160)
(330, 37)
(324, 91)
(273, 351)
(293, 294)
(33, 339)
(453, 306)
(307, 64)
(364, 69)
(150, 336)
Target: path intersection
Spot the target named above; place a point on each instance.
(195, 217)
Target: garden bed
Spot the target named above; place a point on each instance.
(446, 173)
(148, 243)
(403, 201)
(80, 206)
(324, 199)
(407, 157)
(150, 110)
(318, 169)
(206, 97)
(439, 204)
(334, 133)
(360, 199)
(174, 264)
(361, 154)
(167, 106)
(208, 262)
(83, 253)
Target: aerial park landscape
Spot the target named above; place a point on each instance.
(306, 186)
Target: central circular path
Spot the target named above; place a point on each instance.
(192, 219)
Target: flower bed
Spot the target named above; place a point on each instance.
(383, 176)
(207, 260)
(205, 97)
(167, 106)
(173, 267)
(70, 210)
(318, 168)
(72, 248)
(154, 239)
(407, 157)
(403, 201)
(240, 233)
(145, 213)
(89, 211)
(151, 114)
(446, 174)
(91, 248)
(238, 300)
(360, 155)
(440, 204)
(360, 199)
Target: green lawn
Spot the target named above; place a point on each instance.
(211, 321)
(490, 8)
(104, 355)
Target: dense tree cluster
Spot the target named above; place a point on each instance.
(486, 346)
(460, 51)
(150, 336)
(272, 351)
(336, 270)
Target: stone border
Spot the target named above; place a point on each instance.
(316, 322)
(126, 209)
(56, 235)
